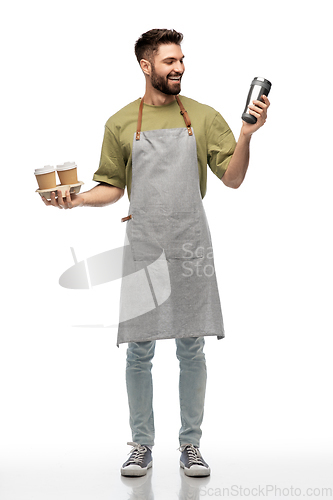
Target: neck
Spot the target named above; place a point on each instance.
(156, 98)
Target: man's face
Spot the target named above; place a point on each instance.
(167, 69)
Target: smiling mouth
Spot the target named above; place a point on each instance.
(174, 78)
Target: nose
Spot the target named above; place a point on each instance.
(179, 67)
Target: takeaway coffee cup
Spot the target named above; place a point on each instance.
(46, 177)
(67, 173)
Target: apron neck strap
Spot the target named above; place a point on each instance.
(183, 112)
(138, 128)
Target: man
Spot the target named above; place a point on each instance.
(159, 147)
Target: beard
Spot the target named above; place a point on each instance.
(163, 84)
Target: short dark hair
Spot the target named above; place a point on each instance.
(148, 43)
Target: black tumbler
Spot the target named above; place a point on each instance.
(259, 86)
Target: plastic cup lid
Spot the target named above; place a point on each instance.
(67, 165)
(46, 170)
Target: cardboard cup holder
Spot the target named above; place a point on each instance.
(73, 189)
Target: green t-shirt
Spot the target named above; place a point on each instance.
(215, 141)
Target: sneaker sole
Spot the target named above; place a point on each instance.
(195, 470)
(135, 470)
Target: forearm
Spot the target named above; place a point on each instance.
(101, 195)
(239, 162)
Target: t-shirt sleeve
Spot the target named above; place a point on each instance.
(221, 146)
(112, 169)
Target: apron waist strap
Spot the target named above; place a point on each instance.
(183, 112)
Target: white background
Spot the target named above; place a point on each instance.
(66, 67)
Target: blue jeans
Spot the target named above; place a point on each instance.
(192, 388)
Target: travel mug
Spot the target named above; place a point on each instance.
(259, 86)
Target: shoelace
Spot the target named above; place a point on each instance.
(194, 455)
(138, 452)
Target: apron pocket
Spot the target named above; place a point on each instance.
(184, 237)
(177, 234)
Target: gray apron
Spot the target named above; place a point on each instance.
(169, 287)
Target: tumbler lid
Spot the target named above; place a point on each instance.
(259, 80)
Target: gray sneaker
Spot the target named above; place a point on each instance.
(192, 461)
(139, 461)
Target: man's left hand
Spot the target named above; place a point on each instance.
(259, 110)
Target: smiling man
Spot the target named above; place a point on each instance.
(161, 78)
(159, 147)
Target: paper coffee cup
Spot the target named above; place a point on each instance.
(46, 177)
(67, 173)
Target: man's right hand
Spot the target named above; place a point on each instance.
(68, 201)
(99, 196)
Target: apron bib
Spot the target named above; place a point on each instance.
(169, 287)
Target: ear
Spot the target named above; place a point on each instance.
(145, 66)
